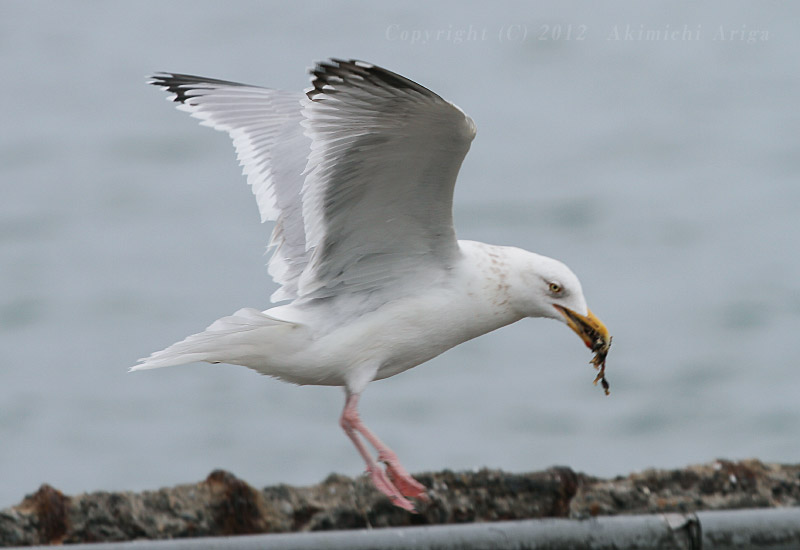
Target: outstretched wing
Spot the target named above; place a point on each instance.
(378, 192)
(358, 173)
(265, 126)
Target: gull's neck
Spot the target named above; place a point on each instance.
(505, 278)
(487, 273)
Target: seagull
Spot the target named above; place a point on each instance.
(358, 174)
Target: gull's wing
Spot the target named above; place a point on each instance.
(358, 173)
(272, 149)
(378, 192)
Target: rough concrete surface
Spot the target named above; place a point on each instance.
(222, 504)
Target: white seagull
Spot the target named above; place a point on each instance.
(358, 174)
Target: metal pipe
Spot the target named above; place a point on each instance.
(758, 529)
(772, 528)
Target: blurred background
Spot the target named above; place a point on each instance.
(651, 147)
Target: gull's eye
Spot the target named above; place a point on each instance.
(555, 288)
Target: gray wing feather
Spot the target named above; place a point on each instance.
(358, 174)
(272, 148)
(377, 198)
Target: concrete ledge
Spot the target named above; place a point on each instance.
(223, 505)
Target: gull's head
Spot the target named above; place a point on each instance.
(548, 288)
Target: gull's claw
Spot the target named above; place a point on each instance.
(384, 484)
(401, 479)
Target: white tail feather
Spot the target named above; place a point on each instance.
(221, 342)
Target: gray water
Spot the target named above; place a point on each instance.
(652, 147)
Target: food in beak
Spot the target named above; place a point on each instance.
(595, 335)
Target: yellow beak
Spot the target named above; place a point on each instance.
(591, 329)
(595, 335)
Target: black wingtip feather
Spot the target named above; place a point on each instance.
(340, 68)
(182, 85)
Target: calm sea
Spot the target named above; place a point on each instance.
(651, 147)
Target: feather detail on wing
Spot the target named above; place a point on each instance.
(377, 197)
(265, 128)
(358, 174)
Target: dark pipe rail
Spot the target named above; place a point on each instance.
(752, 529)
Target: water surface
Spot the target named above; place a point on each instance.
(661, 167)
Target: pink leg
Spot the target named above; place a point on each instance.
(398, 484)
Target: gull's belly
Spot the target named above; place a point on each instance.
(400, 334)
(408, 342)
(406, 333)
